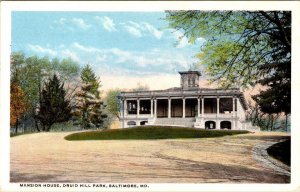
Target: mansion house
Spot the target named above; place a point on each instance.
(188, 105)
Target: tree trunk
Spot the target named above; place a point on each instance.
(36, 125)
(17, 124)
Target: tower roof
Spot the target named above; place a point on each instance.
(189, 72)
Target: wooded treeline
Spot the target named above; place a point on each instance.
(47, 91)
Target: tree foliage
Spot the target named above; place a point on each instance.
(53, 107)
(243, 48)
(237, 42)
(31, 73)
(17, 104)
(112, 102)
(88, 110)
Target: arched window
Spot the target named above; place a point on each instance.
(225, 125)
(131, 123)
(210, 125)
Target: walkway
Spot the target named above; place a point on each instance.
(47, 157)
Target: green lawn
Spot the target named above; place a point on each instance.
(281, 151)
(151, 132)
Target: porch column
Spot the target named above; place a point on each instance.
(151, 108)
(202, 107)
(183, 107)
(155, 108)
(233, 106)
(138, 108)
(218, 106)
(198, 107)
(169, 108)
(218, 124)
(125, 107)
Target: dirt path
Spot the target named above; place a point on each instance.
(47, 157)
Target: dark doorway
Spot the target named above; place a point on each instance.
(162, 108)
(191, 107)
(176, 108)
(210, 125)
(225, 125)
(210, 105)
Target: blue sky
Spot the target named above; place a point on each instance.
(135, 47)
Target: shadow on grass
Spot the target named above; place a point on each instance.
(281, 151)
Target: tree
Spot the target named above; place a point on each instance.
(112, 102)
(54, 107)
(31, 72)
(17, 104)
(88, 110)
(244, 48)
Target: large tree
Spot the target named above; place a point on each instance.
(54, 107)
(243, 48)
(88, 111)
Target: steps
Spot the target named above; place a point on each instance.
(186, 122)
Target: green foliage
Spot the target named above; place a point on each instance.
(88, 110)
(151, 132)
(89, 77)
(237, 42)
(54, 107)
(31, 73)
(112, 102)
(277, 98)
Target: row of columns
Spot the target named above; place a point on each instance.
(124, 104)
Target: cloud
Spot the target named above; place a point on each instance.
(182, 40)
(80, 23)
(142, 29)
(158, 59)
(61, 21)
(71, 54)
(84, 48)
(133, 31)
(107, 23)
(40, 49)
(68, 25)
(155, 32)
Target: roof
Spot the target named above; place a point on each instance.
(189, 72)
(191, 92)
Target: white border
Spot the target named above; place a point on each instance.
(8, 7)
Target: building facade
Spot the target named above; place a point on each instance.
(188, 105)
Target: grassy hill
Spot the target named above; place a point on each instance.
(151, 132)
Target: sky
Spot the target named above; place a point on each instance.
(123, 48)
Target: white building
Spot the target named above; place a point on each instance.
(188, 105)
